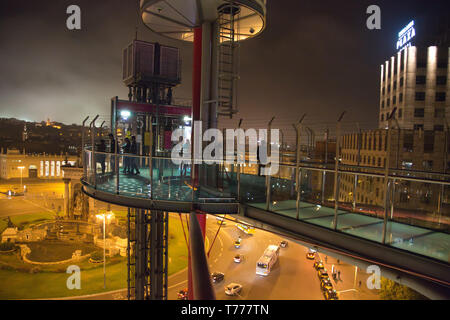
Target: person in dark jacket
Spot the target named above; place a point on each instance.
(101, 156)
(134, 160)
(126, 159)
(112, 149)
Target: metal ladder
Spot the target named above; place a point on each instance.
(227, 56)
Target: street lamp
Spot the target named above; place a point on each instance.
(21, 171)
(104, 217)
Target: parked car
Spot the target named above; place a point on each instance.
(323, 274)
(331, 294)
(233, 289)
(318, 265)
(283, 244)
(237, 258)
(183, 294)
(237, 244)
(217, 276)
(325, 284)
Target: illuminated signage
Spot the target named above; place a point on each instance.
(405, 36)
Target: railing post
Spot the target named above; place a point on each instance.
(299, 192)
(324, 174)
(386, 176)
(392, 198)
(268, 192)
(355, 186)
(116, 160)
(336, 170)
(94, 163)
(239, 167)
(298, 172)
(83, 154)
(150, 164)
(358, 159)
(268, 176)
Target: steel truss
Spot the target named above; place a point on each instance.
(147, 251)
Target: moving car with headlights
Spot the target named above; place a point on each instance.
(311, 255)
(183, 294)
(325, 284)
(323, 274)
(220, 220)
(217, 276)
(237, 243)
(237, 258)
(283, 244)
(233, 289)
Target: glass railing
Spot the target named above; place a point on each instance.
(410, 211)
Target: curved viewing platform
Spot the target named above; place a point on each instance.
(416, 218)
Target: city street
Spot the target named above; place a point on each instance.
(41, 196)
(292, 278)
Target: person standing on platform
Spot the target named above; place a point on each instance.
(102, 156)
(134, 160)
(126, 159)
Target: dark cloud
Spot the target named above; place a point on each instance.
(315, 57)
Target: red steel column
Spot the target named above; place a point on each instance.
(196, 94)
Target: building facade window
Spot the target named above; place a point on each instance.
(400, 97)
(418, 127)
(419, 112)
(401, 82)
(428, 165)
(421, 79)
(400, 113)
(428, 142)
(438, 127)
(420, 96)
(440, 96)
(408, 142)
(439, 113)
(441, 80)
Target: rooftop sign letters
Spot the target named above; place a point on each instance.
(405, 36)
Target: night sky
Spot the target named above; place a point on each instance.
(315, 57)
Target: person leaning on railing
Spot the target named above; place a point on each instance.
(134, 150)
(112, 149)
(101, 147)
(126, 159)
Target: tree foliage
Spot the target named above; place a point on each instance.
(391, 290)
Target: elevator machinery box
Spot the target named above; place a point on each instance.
(145, 63)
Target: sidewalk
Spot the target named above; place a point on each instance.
(347, 287)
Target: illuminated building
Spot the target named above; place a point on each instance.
(415, 79)
(13, 164)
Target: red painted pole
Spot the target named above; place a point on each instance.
(196, 97)
(196, 94)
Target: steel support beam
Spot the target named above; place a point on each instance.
(202, 287)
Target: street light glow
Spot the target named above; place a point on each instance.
(125, 114)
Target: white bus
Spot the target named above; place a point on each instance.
(268, 259)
